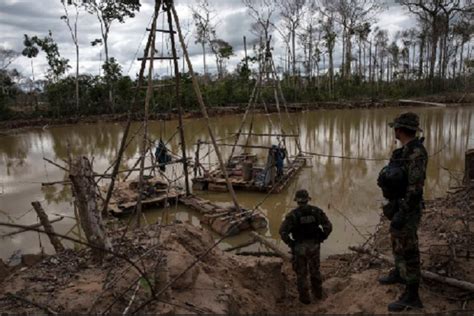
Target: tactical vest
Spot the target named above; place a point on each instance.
(392, 178)
(307, 222)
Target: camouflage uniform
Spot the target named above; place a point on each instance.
(406, 219)
(303, 229)
(402, 182)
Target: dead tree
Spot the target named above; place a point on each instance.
(83, 185)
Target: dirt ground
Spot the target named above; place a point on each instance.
(223, 283)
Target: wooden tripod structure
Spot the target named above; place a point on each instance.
(149, 56)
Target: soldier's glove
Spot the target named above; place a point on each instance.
(390, 209)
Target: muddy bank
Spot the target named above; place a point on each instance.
(222, 282)
(17, 125)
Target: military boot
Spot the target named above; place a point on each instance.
(409, 300)
(304, 298)
(393, 277)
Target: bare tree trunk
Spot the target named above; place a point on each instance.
(84, 187)
(421, 57)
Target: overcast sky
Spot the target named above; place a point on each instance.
(36, 17)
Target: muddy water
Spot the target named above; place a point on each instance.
(346, 189)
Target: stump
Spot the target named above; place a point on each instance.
(90, 217)
(469, 167)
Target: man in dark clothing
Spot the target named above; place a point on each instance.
(402, 182)
(303, 230)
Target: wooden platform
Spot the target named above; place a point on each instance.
(224, 220)
(156, 195)
(216, 182)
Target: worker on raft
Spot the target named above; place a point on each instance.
(303, 230)
(275, 164)
(162, 156)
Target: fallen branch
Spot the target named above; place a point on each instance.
(31, 227)
(270, 245)
(43, 217)
(424, 273)
(46, 309)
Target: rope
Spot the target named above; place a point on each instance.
(138, 48)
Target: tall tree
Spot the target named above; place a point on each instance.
(205, 28)
(222, 51)
(329, 37)
(71, 24)
(108, 12)
(350, 14)
(437, 15)
(292, 12)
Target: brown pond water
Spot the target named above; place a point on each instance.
(336, 185)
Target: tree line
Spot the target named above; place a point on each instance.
(323, 49)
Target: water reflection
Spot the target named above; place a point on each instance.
(336, 185)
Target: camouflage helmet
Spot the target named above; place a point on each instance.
(407, 120)
(302, 196)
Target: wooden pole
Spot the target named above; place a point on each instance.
(48, 228)
(424, 273)
(123, 142)
(149, 93)
(84, 188)
(199, 97)
(178, 101)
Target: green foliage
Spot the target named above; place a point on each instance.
(57, 65)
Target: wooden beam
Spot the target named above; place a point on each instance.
(264, 134)
(162, 31)
(157, 58)
(424, 273)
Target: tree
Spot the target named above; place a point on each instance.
(205, 29)
(107, 13)
(437, 15)
(57, 65)
(222, 50)
(329, 36)
(350, 14)
(72, 26)
(31, 51)
(292, 12)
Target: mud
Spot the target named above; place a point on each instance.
(222, 282)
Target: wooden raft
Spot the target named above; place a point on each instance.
(224, 220)
(214, 181)
(156, 195)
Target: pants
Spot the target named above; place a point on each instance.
(405, 250)
(306, 259)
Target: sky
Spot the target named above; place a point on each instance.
(233, 21)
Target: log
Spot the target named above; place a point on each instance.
(442, 105)
(90, 217)
(43, 217)
(270, 245)
(469, 167)
(243, 245)
(465, 285)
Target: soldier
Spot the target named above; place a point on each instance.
(303, 230)
(402, 182)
